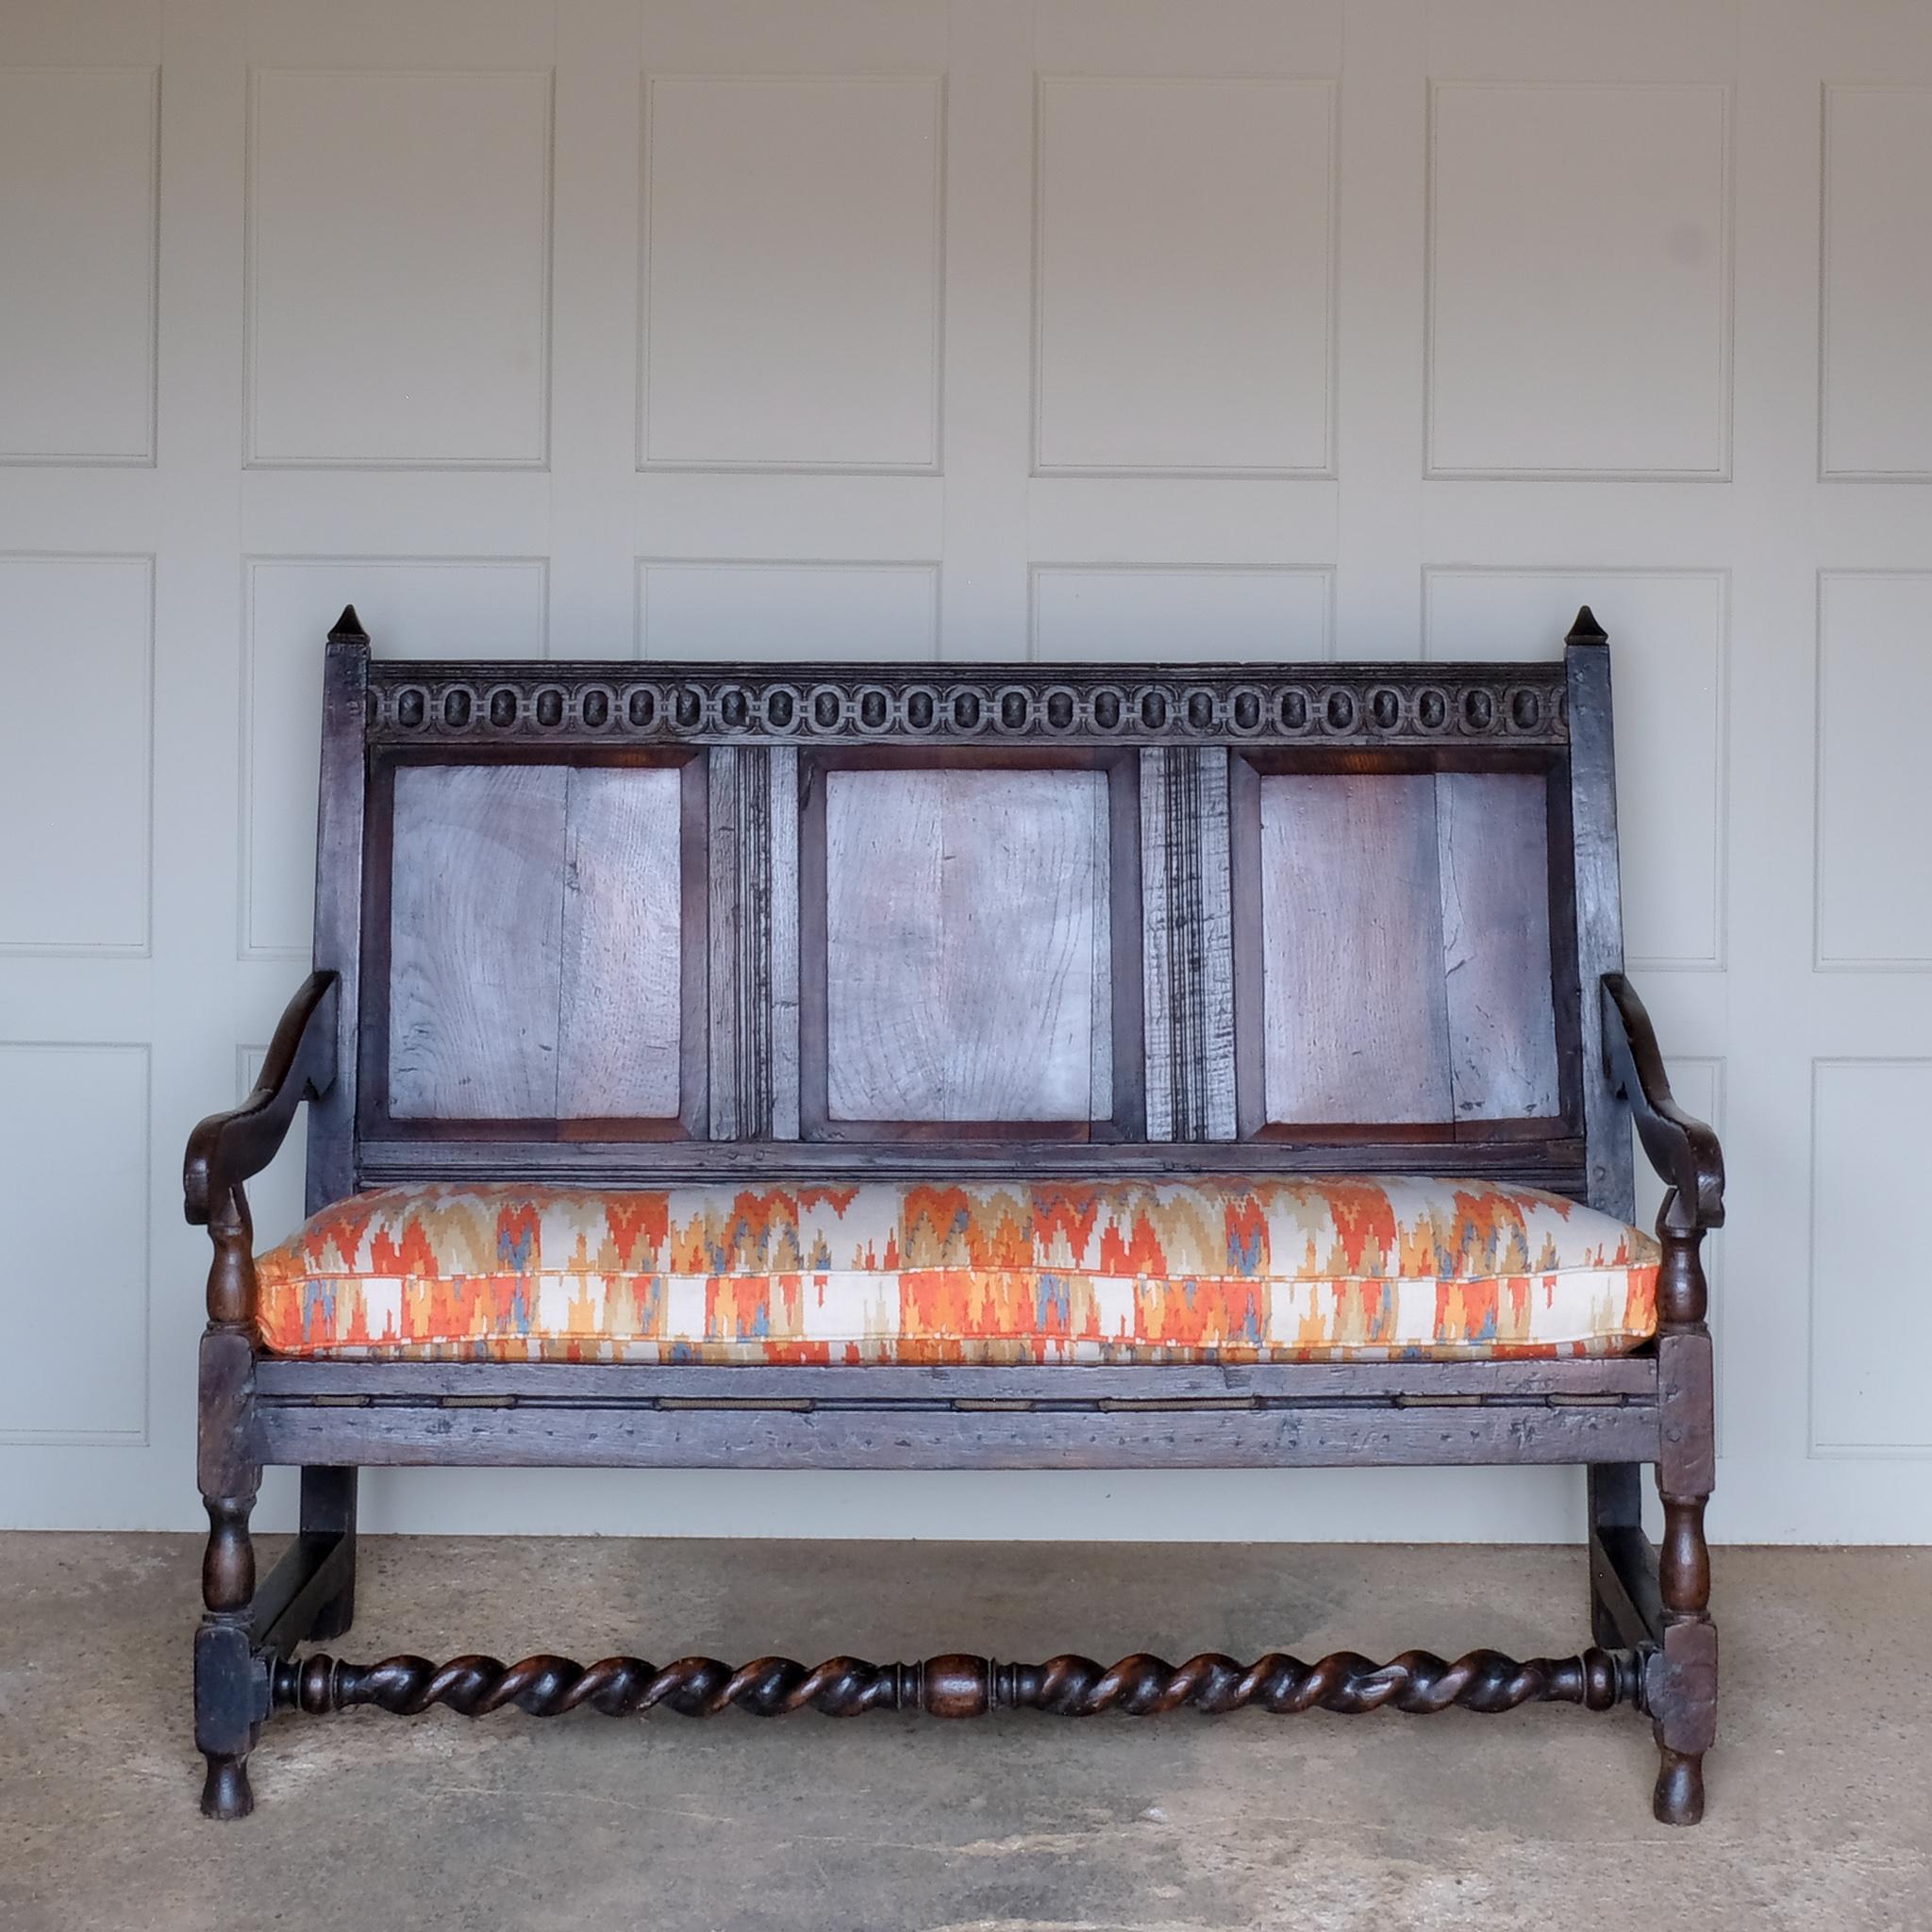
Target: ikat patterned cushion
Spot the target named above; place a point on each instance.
(1231, 1271)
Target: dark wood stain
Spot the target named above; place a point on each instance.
(1340, 918)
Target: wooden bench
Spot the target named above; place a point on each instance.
(609, 927)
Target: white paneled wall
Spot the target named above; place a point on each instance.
(960, 328)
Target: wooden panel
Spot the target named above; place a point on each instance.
(1875, 690)
(76, 642)
(1167, 342)
(1871, 1321)
(1354, 999)
(754, 943)
(1623, 371)
(339, 907)
(74, 1148)
(618, 1029)
(967, 941)
(1187, 964)
(1526, 1381)
(894, 1438)
(806, 210)
(1528, 1161)
(77, 158)
(398, 298)
(476, 924)
(1598, 907)
(1492, 840)
(711, 611)
(1198, 613)
(885, 1034)
(1876, 421)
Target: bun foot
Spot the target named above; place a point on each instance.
(1679, 1798)
(227, 1794)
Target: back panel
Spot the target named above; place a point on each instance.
(871, 918)
(1405, 961)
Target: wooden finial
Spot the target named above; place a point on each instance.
(348, 626)
(1586, 630)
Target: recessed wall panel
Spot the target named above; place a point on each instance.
(1871, 1309)
(74, 1145)
(1182, 279)
(75, 639)
(412, 608)
(398, 268)
(77, 225)
(791, 271)
(759, 610)
(1669, 650)
(1874, 694)
(1579, 281)
(968, 967)
(1156, 614)
(1877, 380)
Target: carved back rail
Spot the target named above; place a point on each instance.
(606, 923)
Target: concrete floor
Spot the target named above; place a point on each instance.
(1821, 1796)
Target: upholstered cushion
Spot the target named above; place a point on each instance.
(1237, 1271)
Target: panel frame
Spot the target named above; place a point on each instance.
(1832, 92)
(148, 456)
(1329, 87)
(1515, 714)
(1434, 471)
(143, 947)
(645, 463)
(137, 1435)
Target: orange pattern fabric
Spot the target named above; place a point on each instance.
(999, 1271)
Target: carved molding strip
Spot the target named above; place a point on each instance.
(1186, 912)
(416, 704)
(754, 943)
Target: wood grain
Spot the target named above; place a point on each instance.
(1599, 909)
(1187, 957)
(1554, 1163)
(338, 832)
(589, 1436)
(967, 938)
(280, 1378)
(1353, 994)
(1492, 843)
(618, 1026)
(476, 929)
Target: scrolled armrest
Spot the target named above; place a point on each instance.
(227, 1148)
(1683, 1150)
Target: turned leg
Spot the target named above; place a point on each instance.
(228, 1704)
(225, 1719)
(328, 1508)
(1683, 1693)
